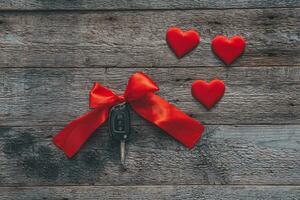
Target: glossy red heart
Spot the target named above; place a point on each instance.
(228, 49)
(208, 94)
(182, 42)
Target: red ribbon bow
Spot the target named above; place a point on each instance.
(140, 95)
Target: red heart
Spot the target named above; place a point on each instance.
(182, 42)
(208, 93)
(228, 49)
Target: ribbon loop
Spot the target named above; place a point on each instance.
(102, 96)
(140, 95)
(138, 86)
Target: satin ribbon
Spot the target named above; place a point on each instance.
(140, 95)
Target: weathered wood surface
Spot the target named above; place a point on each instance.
(137, 38)
(55, 96)
(51, 52)
(225, 155)
(186, 192)
(141, 4)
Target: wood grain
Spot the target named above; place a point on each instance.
(55, 96)
(51, 52)
(137, 38)
(141, 4)
(225, 155)
(187, 192)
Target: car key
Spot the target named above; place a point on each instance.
(120, 127)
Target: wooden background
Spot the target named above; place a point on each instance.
(51, 52)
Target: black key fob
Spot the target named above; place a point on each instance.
(119, 122)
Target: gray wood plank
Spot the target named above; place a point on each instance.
(225, 155)
(141, 4)
(187, 192)
(55, 96)
(137, 38)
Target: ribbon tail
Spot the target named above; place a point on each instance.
(169, 118)
(76, 133)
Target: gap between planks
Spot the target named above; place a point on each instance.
(141, 67)
(143, 125)
(155, 185)
(143, 10)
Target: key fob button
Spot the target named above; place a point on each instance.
(120, 117)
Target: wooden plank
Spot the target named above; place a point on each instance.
(141, 4)
(225, 155)
(137, 38)
(55, 96)
(187, 192)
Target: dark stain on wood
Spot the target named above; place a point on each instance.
(208, 157)
(93, 160)
(271, 17)
(39, 164)
(111, 18)
(37, 161)
(214, 23)
(4, 131)
(183, 80)
(271, 54)
(18, 144)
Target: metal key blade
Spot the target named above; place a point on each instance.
(122, 152)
